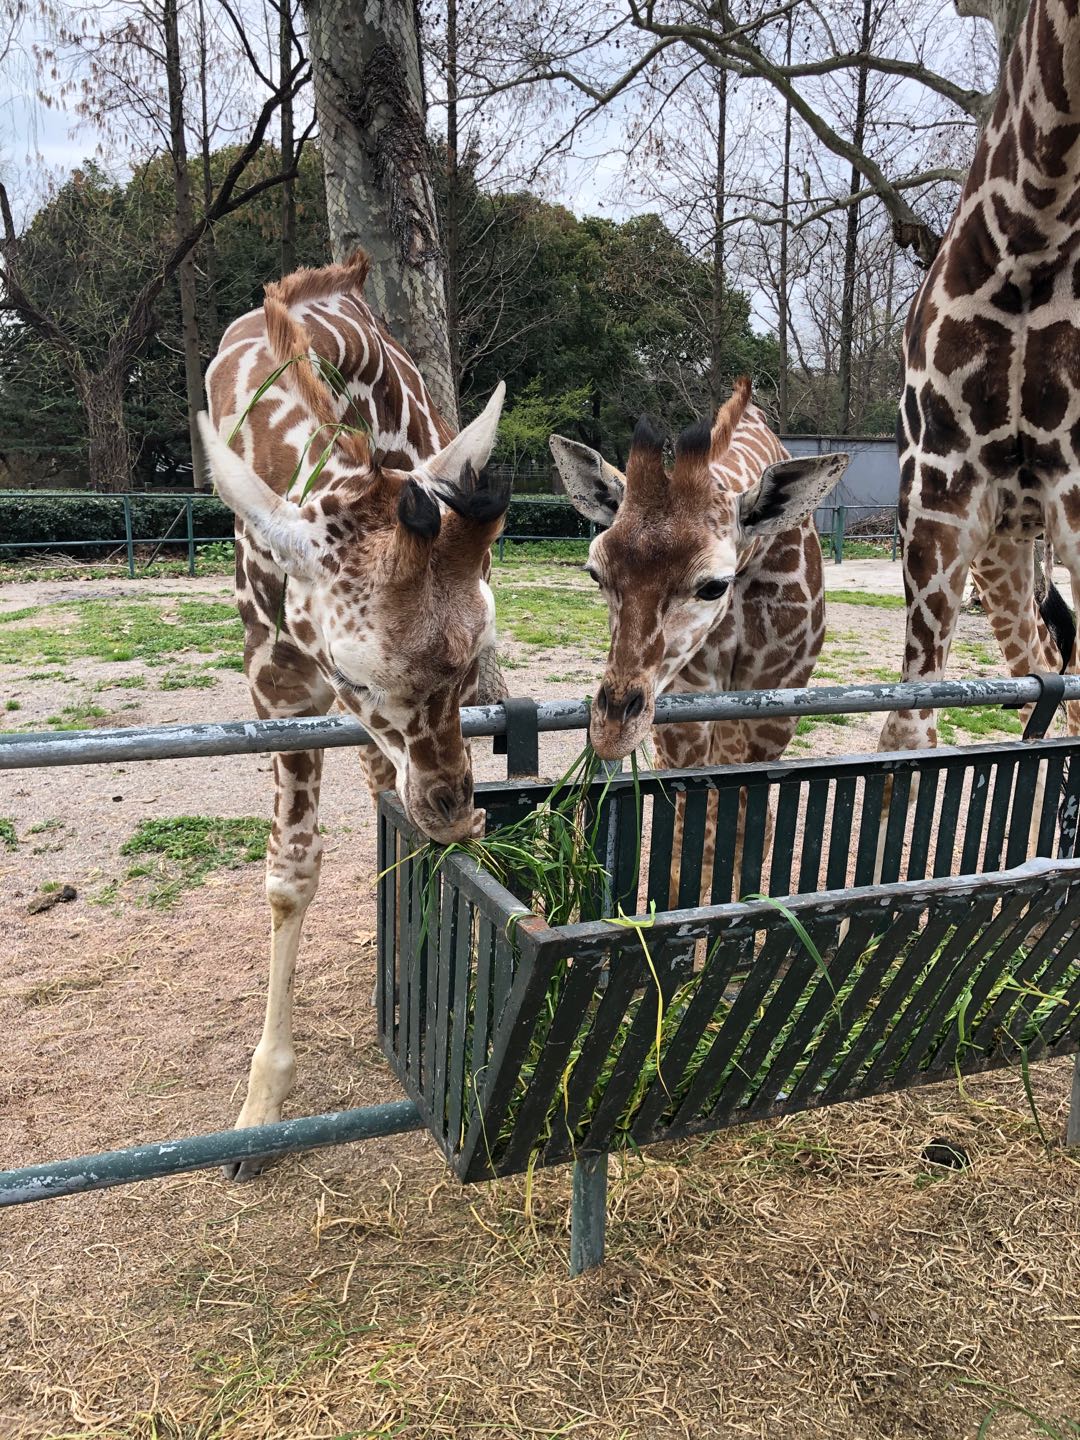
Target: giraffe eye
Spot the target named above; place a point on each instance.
(591, 573)
(712, 589)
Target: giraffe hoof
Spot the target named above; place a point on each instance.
(238, 1171)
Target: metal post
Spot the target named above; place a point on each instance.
(588, 1214)
(1072, 1127)
(502, 547)
(838, 534)
(189, 504)
(128, 539)
(895, 529)
(588, 1210)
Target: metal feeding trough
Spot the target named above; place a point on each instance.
(951, 947)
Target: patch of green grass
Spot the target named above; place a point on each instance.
(7, 833)
(153, 631)
(186, 679)
(43, 826)
(182, 851)
(76, 717)
(552, 615)
(122, 682)
(982, 721)
(230, 662)
(12, 705)
(807, 723)
(23, 614)
(531, 552)
(48, 675)
(862, 597)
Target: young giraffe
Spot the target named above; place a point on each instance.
(386, 608)
(989, 423)
(713, 577)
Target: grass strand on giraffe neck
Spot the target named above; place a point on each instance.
(338, 384)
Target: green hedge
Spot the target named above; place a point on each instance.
(60, 519)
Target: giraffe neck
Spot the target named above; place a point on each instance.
(1032, 140)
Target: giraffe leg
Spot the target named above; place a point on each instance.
(936, 556)
(293, 859)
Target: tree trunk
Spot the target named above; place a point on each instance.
(851, 242)
(109, 457)
(288, 145)
(211, 324)
(1006, 16)
(783, 301)
(453, 197)
(717, 318)
(184, 214)
(369, 100)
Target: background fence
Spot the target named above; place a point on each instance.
(140, 526)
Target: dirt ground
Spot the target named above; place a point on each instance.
(814, 1277)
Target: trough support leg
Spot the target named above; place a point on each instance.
(588, 1214)
(1072, 1125)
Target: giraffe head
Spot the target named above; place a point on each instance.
(386, 591)
(679, 541)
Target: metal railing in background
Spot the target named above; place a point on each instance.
(838, 526)
(185, 512)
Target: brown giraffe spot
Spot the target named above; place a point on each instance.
(970, 261)
(912, 415)
(1022, 235)
(943, 433)
(1039, 195)
(1070, 503)
(986, 389)
(1008, 298)
(1003, 162)
(1051, 63)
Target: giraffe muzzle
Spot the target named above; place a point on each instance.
(620, 720)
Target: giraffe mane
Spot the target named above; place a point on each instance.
(729, 415)
(290, 343)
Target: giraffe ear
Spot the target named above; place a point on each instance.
(456, 473)
(593, 487)
(282, 527)
(788, 492)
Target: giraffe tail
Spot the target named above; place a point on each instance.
(1059, 620)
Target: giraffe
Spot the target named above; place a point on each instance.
(712, 573)
(386, 607)
(988, 430)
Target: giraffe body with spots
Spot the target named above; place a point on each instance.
(362, 585)
(989, 422)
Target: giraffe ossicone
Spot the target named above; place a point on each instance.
(381, 519)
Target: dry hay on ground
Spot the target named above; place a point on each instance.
(813, 1278)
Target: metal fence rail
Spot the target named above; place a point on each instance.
(21, 750)
(170, 1157)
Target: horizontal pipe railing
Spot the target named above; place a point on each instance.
(202, 1152)
(22, 750)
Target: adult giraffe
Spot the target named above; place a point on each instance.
(713, 578)
(989, 423)
(385, 610)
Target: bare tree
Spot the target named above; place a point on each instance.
(603, 54)
(101, 387)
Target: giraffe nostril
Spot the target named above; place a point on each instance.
(443, 802)
(602, 699)
(635, 704)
